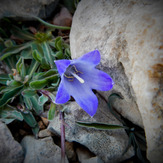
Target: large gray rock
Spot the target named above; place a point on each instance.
(108, 145)
(129, 36)
(26, 9)
(10, 150)
(41, 150)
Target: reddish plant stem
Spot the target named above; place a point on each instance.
(62, 137)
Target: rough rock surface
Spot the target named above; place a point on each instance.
(10, 150)
(108, 145)
(44, 133)
(70, 151)
(129, 36)
(41, 151)
(85, 156)
(23, 8)
(93, 160)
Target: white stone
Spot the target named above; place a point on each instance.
(129, 36)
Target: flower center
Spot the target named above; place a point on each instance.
(72, 72)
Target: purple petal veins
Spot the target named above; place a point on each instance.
(79, 77)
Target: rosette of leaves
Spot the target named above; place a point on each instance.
(31, 71)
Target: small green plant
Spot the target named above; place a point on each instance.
(32, 76)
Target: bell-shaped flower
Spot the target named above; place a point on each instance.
(79, 77)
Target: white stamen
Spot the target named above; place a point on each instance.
(79, 78)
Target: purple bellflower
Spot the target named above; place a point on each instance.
(79, 77)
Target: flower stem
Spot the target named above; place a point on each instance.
(62, 137)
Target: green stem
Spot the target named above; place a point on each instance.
(51, 25)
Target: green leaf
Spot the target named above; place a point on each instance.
(56, 84)
(23, 70)
(47, 54)
(50, 89)
(9, 43)
(37, 46)
(101, 126)
(52, 78)
(35, 130)
(28, 103)
(2, 88)
(4, 78)
(44, 64)
(50, 73)
(11, 85)
(29, 92)
(52, 43)
(11, 61)
(21, 67)
(9, 95)
(18, 65)
(33, 67)
(59, 54)
(129, 144)
(67, 53)
(43, 37)
(9, 114)
(36, 56)
(51, 112)
(14, 83)
(42, 100)
(58, 43)
(49, 94)
(36, 107)
(39, 84)
(111, 99)
(22, 34)
(7, 121)
(13, 50)
(139, 155)
(29, 119)
(26, 54)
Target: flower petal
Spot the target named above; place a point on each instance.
(83, 96)
(88, 102)
(94, 78)
(91, 57)
(62, 94)
(62, 65)
(101, 81)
